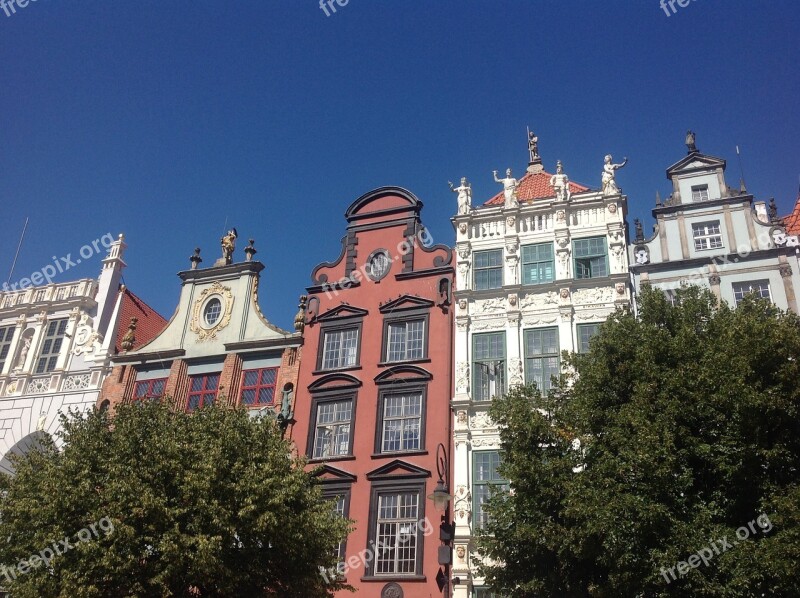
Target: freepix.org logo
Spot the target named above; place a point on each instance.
(9, 7)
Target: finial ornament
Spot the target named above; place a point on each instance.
(228, 243)
(250, 250)
(510, 185)
(609, 185)
(639, 232)
(773, 211)
(130, 337)
(560, 183)
(690, 142)
(300, 318)
(195, 259)
(464, 197)
(533, 147)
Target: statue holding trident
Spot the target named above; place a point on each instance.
(509, 188)
(464, 196)
(609, 185)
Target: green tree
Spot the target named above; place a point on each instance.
(676, 430)
(211, 504)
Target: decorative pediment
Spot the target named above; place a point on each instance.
(406, 302)
(342, 311)
(334, 382)
(397, 470)
(403, 374)
(695, 161)
(326, 473)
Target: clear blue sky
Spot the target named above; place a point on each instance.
(163, 119)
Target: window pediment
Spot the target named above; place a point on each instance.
(405, 302)
(397, 470)
(334, 382)
(341, 312)
(403, 374)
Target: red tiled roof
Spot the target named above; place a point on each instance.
(149, 324)
(534, 186)
(792, 221)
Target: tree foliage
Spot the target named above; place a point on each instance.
(210, 504)
(677, 429)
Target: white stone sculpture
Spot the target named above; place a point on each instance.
(464, 197)
(560, 183)
(510, 185)
(609, 171)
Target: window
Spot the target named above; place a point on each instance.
(341, 506)
(759, 287)
(486, 593)
(397, 533)
(488, 365)
(378, 265)
(202, 390)
(258, 386)
(484, 477)
(51, 347)
(332, 428)
(591, 260)
(147, 390)
(488, 269)
(700, 193)
(406, 340)
(586, 332)
(706, 236)
(340, 348)
(39, 296)
(212, 312)
(541, 357)
(401, 428)
(6, 335)
(538, 265)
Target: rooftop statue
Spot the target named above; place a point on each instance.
(510, 185)
(560, 183)
(464, 196)
(609, 170)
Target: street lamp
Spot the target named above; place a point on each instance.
(441, 501)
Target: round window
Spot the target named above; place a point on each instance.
(378, 264)
(212, 312)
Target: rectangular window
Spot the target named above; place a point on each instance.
(538, 265)
(586, 332)
(406, 340)
(484, 477)
(541, 357)
(147, 390)
(759, 287)
(258, 386)
(340, 348)
(402, 422)
(488, 269)
(51, 347)
(488, 365)
(332, 429)
(700, 193)
(202, 390)
(706, 235)
(591, 259)
(6, 334)
(397, 533)
(341, 504)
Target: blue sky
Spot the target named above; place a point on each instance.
(164, 120)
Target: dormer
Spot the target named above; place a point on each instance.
(698, 177)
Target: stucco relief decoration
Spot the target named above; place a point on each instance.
(515, 371)
(462, 304)
(642, 255)
(620, 287)
(564, 294)
(462, 228)
(785, 270)
(618, 252)
(512, 300)
(561, 216)
(463, 250)
(539, 300)
(602, 295)
(463, 276)
(462, 323)
(487, 306)
(392, 590)
(488, 325)
(461, 418)
(489, 442)
(461, 552)
(563, 258)
(481, 421)
(226, 297)
(612, 207)
(511, 222)
(76, 382)
(462, 376)
(462, 502)
(511, 246)
(38, 385)
(87, 340)
(615, 236)
(12, 387)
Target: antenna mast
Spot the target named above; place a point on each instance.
(16, 255)
(741, 170)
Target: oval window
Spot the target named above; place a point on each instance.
(378, 264)
(212, 312)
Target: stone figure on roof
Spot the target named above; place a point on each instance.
(609, 170)
(464, 197)
(533, 146)
(228, 245)
(560, 183)
(510, 185)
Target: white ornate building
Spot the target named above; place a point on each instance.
(55, 343)
(540, 266)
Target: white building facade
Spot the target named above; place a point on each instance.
(540, 266)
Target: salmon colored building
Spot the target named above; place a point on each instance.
(374, 389)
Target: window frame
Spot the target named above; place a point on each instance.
(546, 383)
(6, 338)
(258, 386)
(488, 268)
(203, 391)
(707, 237)
(590, 257)
(334, 490)
(751, 283)
(581, 348)
(46, 351)
(479, 518)
(503, 384)
(148, 396)
(341, 326)
(697, 193)
(394, 390)
(318, 399)
(387, 487)
(538, 262)
(405, 318)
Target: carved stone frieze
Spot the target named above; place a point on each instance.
(515, 373)
(462, 376)
(538, 300)
(596, 295)
(488, 325)
(488, 306)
